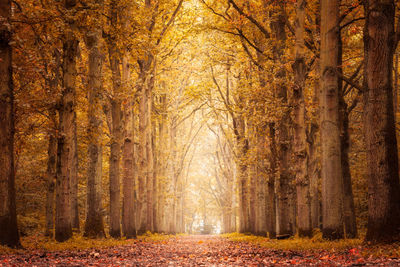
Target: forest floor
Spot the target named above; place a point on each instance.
(194, 250)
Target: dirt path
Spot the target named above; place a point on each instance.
(190, 251)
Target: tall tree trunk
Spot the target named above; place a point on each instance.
(51, 177)
(155, 176)
(171, 221)
(65, 145)
(252, 184)
(128, 214)
(8, 218)
(74, 179)
(349, 216)
(262, 185)
(300, 138)
(313, 157)
(143, 161)
(149, 153)
(116, 128)
(379, 123)
(243, 176)
(332, 180)
(162, 165)
(94, 226)
(284, 186)
(115, 164)
(271, 197)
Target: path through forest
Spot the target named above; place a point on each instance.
(194, 250)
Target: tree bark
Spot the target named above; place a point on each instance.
(243, 147)
(300, 138)
(349, 216)
(314, 157)
(284, 186)
(8, 218)
(51, 177)
(332, 180)
(128, 214)
(65, 142)
(149, 153)
(271, 196)
(379, 123)
(94, 226)
(74, 179)
(143, 161)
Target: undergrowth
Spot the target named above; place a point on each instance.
(78, 242)
(296, 243)
(317, 243)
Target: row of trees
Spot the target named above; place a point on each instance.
(293, 101)
(88, 82)
(119, 94)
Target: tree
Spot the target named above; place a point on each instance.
(65, 141)
(332, 181)
(380, 42)
(300, 138)
(129, 167)
(94, 219)
(8, 217)
(114, 109)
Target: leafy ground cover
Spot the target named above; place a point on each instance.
(228, 250)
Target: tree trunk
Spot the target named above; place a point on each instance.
(252, 184)
(94, 226)
(65, 145)
(332, 180)
(51, 177)
(349, 216)
(149, 153)
(128, 214)
(171, 220)
(243, 176)
(74, 179)
(262, 185)
(300, 138)
(155, 176)
(116, 131)
(115, 162)
(379, 123)
(8, 218)
(284, 186)
(313, 158)
(271, 197)
(143, 161)
(162, 165)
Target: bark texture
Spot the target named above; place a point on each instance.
(379, 129)
(300, 148)
(51, 178)
(285, 190)
(128, 214)
(94, 226)
(332, 181)
(65, 142)
(116, 132)
(8, 218)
